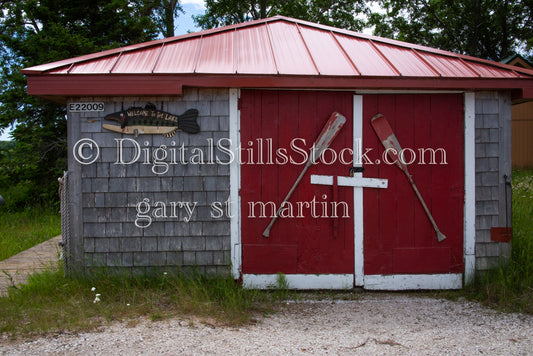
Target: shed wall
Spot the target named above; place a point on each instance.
(493, 161)
(105, 195)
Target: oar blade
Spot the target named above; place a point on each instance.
(330, 130)
(392, 146)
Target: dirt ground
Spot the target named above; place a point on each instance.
(374, 324)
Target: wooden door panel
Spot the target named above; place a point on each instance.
(305, 244)
(398, 237)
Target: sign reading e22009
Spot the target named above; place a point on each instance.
(86, 107)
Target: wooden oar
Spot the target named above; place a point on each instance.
(392, 147)
(324, 139)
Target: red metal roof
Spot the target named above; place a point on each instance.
(276, 52)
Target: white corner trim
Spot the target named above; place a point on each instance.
(470, 268)
(299, 281)
(358, 192)
(469, 226)
(235, 183)
(414, 281)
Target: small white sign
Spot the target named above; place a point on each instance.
(86, 107)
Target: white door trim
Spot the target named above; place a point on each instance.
(469, 218)
(358, 192)
(414, 281)
(299, 281)
(235, 182)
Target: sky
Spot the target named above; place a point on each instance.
(184, 21)
(5, 136)
(185, 24)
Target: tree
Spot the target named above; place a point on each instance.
(340, 13)
(166, 11)
(492, 29)
(40, 31)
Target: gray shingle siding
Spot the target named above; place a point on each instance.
(493, 161)
(105, 195)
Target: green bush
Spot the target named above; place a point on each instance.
(28, 180)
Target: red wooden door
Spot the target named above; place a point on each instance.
(271, 121)
(398, 237)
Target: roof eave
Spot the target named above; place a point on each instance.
(54, 85)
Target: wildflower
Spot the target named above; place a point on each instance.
(165, 273)
(128, 304)
(93, 289)
(96, 299)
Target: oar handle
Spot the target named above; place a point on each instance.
(266, 233)
(440, 235)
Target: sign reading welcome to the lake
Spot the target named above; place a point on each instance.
(137, 121)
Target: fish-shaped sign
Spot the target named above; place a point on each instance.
(137, 121)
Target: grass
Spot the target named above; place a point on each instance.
(510, 286)
(22, 230)
(51, 303)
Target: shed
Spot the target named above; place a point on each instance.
(522, 122)
(139, 196)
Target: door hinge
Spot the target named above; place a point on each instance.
(356, 170)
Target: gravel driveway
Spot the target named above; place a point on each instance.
(375, 324)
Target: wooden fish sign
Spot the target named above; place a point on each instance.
(137, 121)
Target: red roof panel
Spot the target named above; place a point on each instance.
(492, 71)
(216, 54)
(178, 57)
(291, 54)
(60, 70)
(365, 57)
(96, 66)
(328, 56)
(254, 51)
(405, 60)
(141, 61)
(448, 66)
